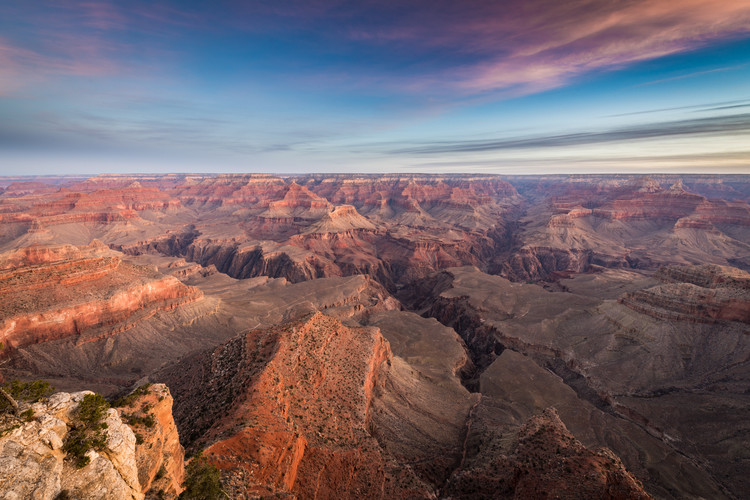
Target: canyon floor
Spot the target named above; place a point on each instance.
(388, 336)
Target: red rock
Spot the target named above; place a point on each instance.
(54, 292)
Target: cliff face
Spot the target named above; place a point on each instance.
(55, 292)
(34, 463)
(337, 245)
(159, 456)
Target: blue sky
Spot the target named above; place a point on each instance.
(511, 87)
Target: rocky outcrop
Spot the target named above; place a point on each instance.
(342, 218)
(34, 465)
(532, 263)
(298, 201)
(316, 408)
(131, 465)
(539, 460)
(286, 409)
(159, 455)
(698, 294)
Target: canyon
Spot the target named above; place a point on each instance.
(383, 336)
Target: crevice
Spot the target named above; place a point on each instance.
(464, 448)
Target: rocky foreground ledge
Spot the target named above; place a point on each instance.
(133, 461)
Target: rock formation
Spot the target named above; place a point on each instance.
(540, 460)
(700, 294)
(35, 463)
(50, 293)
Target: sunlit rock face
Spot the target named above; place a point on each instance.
(159, 456)
(54, 292)
(395, 336)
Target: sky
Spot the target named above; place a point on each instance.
(287, 86)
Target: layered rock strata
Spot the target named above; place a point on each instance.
(698, 294)
(49, 293)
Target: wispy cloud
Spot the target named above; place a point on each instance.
(525, 46)
(696, 108)
(76, 56)
(83, 38)
(732, 124)
(691, 75)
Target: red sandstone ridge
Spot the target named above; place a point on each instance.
(316, 408)
(342, 218)
(54, 292)
(296, 399)
(298, 201)
(131, 197)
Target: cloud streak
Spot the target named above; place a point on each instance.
(732, 124)
(526, 46)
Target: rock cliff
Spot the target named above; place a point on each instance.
(34, 462)
(49, 293)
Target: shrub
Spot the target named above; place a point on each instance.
(129, 400)
(201, 480)
(145, 420)
(92, 409)
(30, 392)
(87, 429)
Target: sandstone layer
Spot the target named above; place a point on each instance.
(49, 293)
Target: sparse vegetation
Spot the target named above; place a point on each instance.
(16, 391)
(202, 480)
(130, 399)
(133, 419)
(87, 429)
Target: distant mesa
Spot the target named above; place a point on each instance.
(343, 218)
